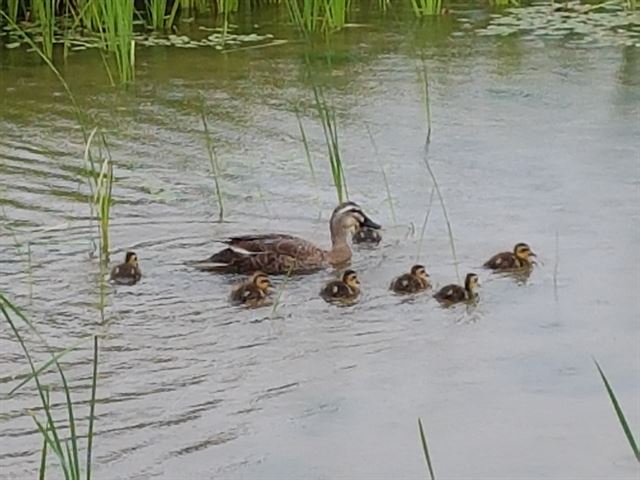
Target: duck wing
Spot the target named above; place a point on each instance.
(502, 261)
(267, 242)
(451, 293)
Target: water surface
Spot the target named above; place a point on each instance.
(532, 141)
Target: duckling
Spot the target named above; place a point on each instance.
(519, 258)
(347, 288)
(451, 294)
(253, 292)
(127, 273)
(367, 235)
(415, 281)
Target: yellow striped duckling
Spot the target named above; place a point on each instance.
(417, 280)
(367, 236)
(453, 293)
(127, 273)
(347, 288)
(520, 258)
(253, 292)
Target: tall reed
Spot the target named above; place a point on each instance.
(64, 445)
(215, 165)
(424, 8)
(117, 35)
(384, 175)
(619, 413)
(318, 15)
(425, 450)
(101, 186)
(44, 12)
(327, 116)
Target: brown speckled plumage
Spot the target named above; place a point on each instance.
(253, 292)
(417, 280)
(519, 258)
(127, 273)
(453, 293)
(347, 288)
(284, 254)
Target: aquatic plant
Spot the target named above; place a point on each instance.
(619, 413)
(425, 449)
(44, 13)
(213, 159)
(66, 448)
(327, 116)
(318, 15)
(157, 17)
(384, 175)
(424, 8)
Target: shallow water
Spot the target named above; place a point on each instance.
(531, 141)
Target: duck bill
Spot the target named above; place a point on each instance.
(368, 223)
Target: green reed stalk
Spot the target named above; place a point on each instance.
(444, 211)
(44, 12)
(307, 151)
(117, 35)
(620, 414)
(68, 455)
(12, 9)
(425, 449)
(215, 165)
(423, 230)
(424, 8)
(330, 128)
(427, 102)
(155, 11)
(384, 175)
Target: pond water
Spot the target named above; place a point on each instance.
(533, 140)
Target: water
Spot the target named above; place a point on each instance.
(530, 141)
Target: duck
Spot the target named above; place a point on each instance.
(417, 280)
(277, 253)
(453, 293)
(367, 236)
(520, 258)
(347, 288)
(253, 292)
(127, 273)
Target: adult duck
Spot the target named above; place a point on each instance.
(277, 253)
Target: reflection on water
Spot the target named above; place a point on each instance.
(527, 142)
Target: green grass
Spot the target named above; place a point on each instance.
(424, 8)
(61, 438)
(384, 175)
(101, 187)
(619, 413)
(327, 116)
(425, 450)
(318, 15)
(44, 13)
(213, 160)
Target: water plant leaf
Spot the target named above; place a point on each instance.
(618, 409)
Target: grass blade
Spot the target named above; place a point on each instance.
(621, 418)
(425, 449)
(92, 405)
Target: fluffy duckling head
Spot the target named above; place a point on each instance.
(131, 258)
(523, 252)
(471, 282)
(420, 273)
(261, 281)
(350, 278)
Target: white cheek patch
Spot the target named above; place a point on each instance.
(450, 292)
(335, 289)
(116, 271)
(498, 261)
